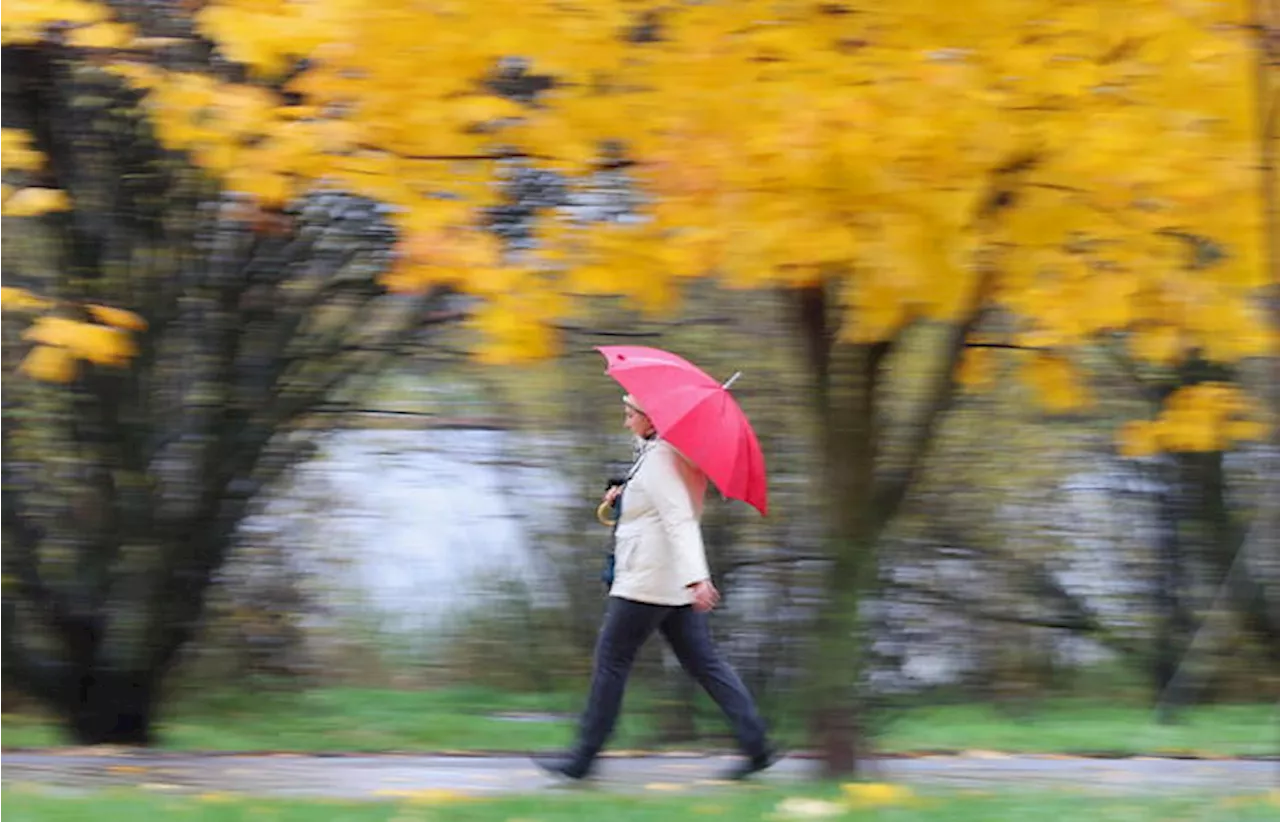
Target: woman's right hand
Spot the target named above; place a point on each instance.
(611, 495)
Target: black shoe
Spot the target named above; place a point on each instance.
(567, 766)
(752, 765)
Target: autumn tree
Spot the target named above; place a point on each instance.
(135, 440)
(889, 165)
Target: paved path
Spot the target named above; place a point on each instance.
(391, 775)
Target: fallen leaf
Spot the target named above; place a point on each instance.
(663, 786)
(876, 793)
(126, 769)
(426, 796)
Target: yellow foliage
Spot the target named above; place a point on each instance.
(96, 343)
(27, 21)
(1054, 382)
(31, 202)
(515, 331)
(117, 317)
(1159, 345)
(977, 369)
(19, 299)
(872, 147)
(16, 151)
(1208, 416)
(102, 36)
(48, 363)
(1139, 438)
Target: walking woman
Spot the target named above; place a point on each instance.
(661, 583)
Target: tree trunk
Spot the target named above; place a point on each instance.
(111, 708)
(1174, 623)
(845, 408)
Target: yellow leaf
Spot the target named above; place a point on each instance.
(138, 75)
(1197, 432)
(1105, 299)
(1138, 438)
(482, 109)
(513, 332)
(49, 364)
(431, 796)
(96, 343)
(260, 40)
(269, 189)
(484, 280)
(1247, 430)
(102, 36)
(127, 769)
(977, 369)
(16, 151)
(407, 277)
(117, 317)
(18, 299)
(58, 331)
(877, 312)
(1054, 382)
(876, 793)
(1159, 345)
(30, 202)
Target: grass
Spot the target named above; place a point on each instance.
(347, 719)
(1089, 727)
(28, 804)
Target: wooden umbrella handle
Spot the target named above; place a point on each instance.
(602, 514)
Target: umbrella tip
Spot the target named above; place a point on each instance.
(729, 382)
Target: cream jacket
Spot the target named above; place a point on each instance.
(658, 550)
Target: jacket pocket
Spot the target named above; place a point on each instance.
(625, 552)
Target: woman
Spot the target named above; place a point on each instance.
(661, 582)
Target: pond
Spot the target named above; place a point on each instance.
(409, 526)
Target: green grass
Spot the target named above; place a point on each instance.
(33, 805)
(338, 719)
(1084, 727)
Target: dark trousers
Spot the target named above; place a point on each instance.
(627, 625)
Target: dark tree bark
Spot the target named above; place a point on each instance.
(1174, 623)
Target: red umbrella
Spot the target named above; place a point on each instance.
(697, 415)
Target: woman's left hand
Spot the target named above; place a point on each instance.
(705, 596)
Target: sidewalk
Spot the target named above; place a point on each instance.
(359, 776)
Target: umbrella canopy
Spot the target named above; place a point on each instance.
(696, 414)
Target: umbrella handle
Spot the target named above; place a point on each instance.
(602, 514)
